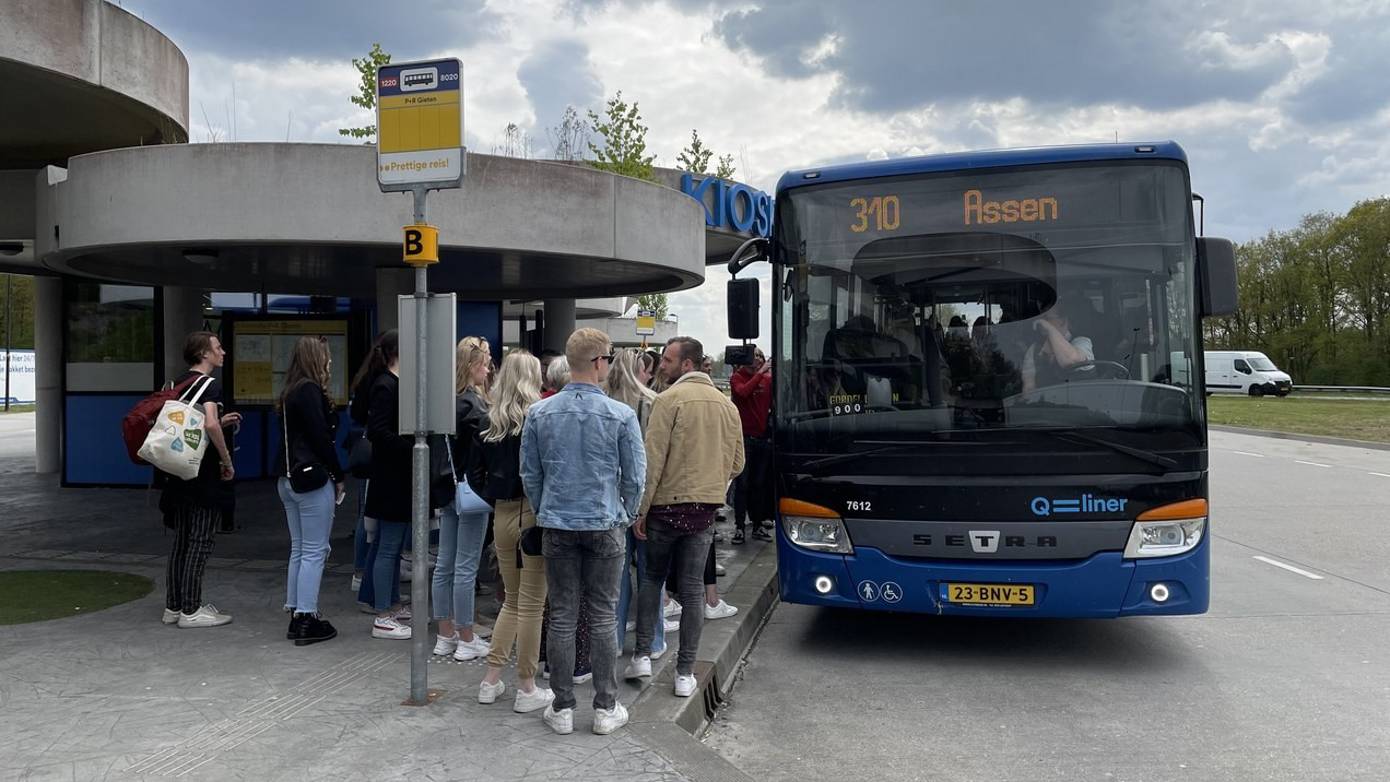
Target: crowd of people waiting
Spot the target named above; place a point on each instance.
(596, 466)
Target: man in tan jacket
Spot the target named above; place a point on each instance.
(694, 448)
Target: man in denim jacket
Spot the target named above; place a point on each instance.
(584, 468)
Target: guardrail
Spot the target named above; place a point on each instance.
(1344, 389)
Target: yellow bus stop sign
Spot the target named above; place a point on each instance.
(421, 245)
(420, 125)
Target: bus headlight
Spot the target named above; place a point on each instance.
(1164, 538)
(818, 534)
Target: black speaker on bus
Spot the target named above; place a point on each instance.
(743, 309)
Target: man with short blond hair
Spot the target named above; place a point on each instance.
(583, 468)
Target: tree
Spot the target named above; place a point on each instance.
(20, 309)
(655, 303)
(624, 137)
(695, 157)
(516, 142)
(366, 95)
(726, 167)
(570, 139)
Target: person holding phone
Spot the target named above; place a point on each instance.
(311, 483)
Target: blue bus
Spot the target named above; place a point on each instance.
(989, 383)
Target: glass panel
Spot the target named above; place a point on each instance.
(110, 323)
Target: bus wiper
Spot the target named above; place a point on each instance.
(826, 461)
(1137, 453)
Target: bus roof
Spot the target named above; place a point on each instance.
(994, 158)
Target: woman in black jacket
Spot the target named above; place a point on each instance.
(387, 346)
(310, 484)
(388, 503)
(494, 471)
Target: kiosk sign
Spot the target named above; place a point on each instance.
(419, 119)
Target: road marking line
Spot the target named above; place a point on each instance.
(1380, 474)
(1289, 568)
(1247, 453)
(1312, 464)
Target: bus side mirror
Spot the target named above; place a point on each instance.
(1216, 276)
(743, 309)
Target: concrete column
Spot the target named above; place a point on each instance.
(390, 283)
(183, 313)
(559, 323)
(48, 374)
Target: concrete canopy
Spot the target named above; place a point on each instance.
(83, 75)
(309, 218)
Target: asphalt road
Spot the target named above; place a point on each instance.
(1286, 678)
(16, 442)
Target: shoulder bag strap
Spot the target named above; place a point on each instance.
(285, 425)
(449, 449)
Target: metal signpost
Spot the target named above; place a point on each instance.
(419, 119)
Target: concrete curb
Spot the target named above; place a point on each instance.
(1307, 438)
(722, 648)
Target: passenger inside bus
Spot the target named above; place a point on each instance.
(1057, 351)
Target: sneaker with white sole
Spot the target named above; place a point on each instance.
(672, 608)
(489, 693)
(538, 698)
(471, 650)
(482, 631)
(608, 720)
(656, 653)
(562, 721)
(445, 645)
(403, 614)
(205, 616)
(581, 677)
(721, 611)
(388, 628)
(671, 625)
(639, 668)
(171, 617)
(685, 685)
(719, 569)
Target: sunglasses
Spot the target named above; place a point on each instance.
(608, 357)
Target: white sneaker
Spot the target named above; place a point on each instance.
(482, 631)
(719, 569)
(171, 617)
(671, 625)
(390, 629)
(562, 721)
(608, 720)
(656, 653)
(685, 686)
(639, 668)
(446, 645)
(673, 608)
(471, 650)
(538, 698)
(721, 611)
(206, 616)
(403, 614)
(356, 583)
(581, 678)
(489, 693)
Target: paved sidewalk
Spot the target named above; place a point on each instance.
(117, 695)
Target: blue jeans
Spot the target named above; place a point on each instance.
(381, 585)
(360, 543)
(310, 517)
(456, 572)
(636, 550)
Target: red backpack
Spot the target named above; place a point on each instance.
(136, 425)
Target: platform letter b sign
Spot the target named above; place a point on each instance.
(421, 244)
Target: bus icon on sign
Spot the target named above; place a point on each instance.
(414, 79)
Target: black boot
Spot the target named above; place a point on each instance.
(315, 630)
(297, 621)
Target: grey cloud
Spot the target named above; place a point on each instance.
(1355, 83)
(316, 29)
(556, 75)
(900, 54)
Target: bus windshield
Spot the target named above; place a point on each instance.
(930, 307)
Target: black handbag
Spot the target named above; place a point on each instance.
(304, 478)
(360, 458)
(531, 540)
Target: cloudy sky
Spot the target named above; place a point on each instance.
(1283, 107)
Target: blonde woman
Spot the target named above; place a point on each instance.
(626, 384)
(494, 471)
(461, 536)
(310, 481)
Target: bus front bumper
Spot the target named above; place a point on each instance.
(1103, 586)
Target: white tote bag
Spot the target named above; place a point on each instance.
(178, 440)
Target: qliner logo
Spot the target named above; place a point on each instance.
(1086, 503)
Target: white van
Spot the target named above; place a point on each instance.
(1244, 372)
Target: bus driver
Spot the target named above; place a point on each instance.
(1057, 350)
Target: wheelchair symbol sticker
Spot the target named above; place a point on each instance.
(868, 591)
(891, 592)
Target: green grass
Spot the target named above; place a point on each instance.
(1330, 417)
(39, 595)
(17, 409)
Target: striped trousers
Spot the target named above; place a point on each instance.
(194, 526)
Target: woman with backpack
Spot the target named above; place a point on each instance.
(311, 483)
(461, 536)
(193, 508)
(494, 472)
